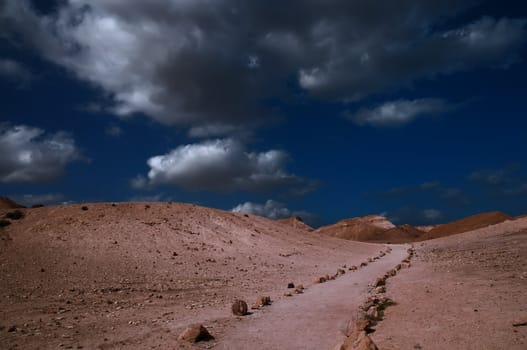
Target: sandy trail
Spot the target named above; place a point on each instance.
(313, 320)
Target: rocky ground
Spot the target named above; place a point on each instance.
(467, 291)
(135, 275)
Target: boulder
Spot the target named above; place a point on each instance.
(239, 308)
(195, 333)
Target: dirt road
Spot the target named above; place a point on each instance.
(313, 320)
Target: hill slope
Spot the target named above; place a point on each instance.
(137, 267)
(8, 203)
(371, 228)
(296, 222)
(467, 224)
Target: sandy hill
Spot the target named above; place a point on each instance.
(467, 224)
(7, 203)
(358, 229)
(400, 234)
(96, 267)
(296, 222)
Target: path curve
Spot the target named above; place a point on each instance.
(313, 320)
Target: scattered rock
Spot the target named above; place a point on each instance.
(353, 268)
(363, 264)
(319, 279)
(84, 208)
(288, 294)
(361, 342)
(290, 285)
(195, 333)
(4, 223)
(373, 313)
(520, 323)
(12, 329)
(380, 281)
(380, 289)
(340, 272)
(263, 301)
(239, 308)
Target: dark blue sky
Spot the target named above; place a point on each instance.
(327, 109)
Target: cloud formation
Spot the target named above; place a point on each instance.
(415, 216)
(13, 70)
(274, 210)
(32, 199)
(221, 165)
(509, 181)
(28, 155)
(212, 65)
(270, 209)
(399, 112)
(451, 195)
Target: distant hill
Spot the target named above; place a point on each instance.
(467, 224)
(400, 234)
(296, 222)
(7, 203)
(366, 229)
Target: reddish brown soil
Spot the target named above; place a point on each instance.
(467, 224)
(462, 292)
(134, 275)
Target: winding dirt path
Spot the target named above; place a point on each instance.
(313, 320)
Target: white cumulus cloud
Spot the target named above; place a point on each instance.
(29, 155)
(221, 165)
(270, 209)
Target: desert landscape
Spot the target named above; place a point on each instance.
(141, 275)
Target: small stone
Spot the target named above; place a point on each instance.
(520, 323)
(380, 289)
(373, 313)
(319, 279)
(379, 282)
(12, 329)
(239, 308)
(290, 285)
(263, 301)
(288, 294)
(195, 333)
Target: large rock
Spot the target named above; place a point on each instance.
(239, 308)
(195, 333)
